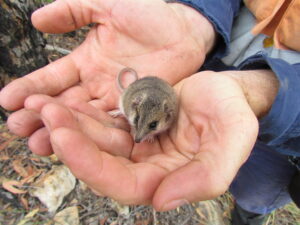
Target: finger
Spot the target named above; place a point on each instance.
(213, 168)
(101, 116)
(39, 142)
(55, 115)
(50, 80)
(75, 93)
(24, 122)
(71, 97)
(196, 181)
(103, 105)
(60, 16)
(127, 183)
(112, 140)
(65, 16)
(37, 102)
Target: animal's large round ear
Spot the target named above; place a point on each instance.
(124, 75)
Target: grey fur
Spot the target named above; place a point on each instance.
(146, 102)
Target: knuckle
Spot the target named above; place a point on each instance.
(16, 126)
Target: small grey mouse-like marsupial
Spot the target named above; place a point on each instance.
(149, 104)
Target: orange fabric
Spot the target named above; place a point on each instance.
(279, 19)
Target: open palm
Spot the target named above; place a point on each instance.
(196, 160)
(151, 36)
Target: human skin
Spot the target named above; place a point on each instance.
(195, 160)
(172, 45)
(168, 40)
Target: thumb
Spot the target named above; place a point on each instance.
(65, 16)
(196, 181)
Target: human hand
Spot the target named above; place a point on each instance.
(154, 38)
(196, 160)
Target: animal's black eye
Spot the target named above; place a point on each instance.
(136, 119)
(153, 125)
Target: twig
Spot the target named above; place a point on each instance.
(190, 215)
(58, 49)
(154, 216)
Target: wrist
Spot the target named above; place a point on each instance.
(198, 26)
(260, 88)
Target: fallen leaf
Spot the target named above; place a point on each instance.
(32, 175)
(4, 157)
(28, 217)
(83, 186)
(53, 187)
(53, 158)
(19, 168)
(68, 216)
(121, 209)
(7, 142)
(24, 202)
(5, 134)
(10, 186)
(103, 220)
(35, 158)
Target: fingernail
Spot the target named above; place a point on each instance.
(174, 204)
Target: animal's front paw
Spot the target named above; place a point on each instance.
(115, 113)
